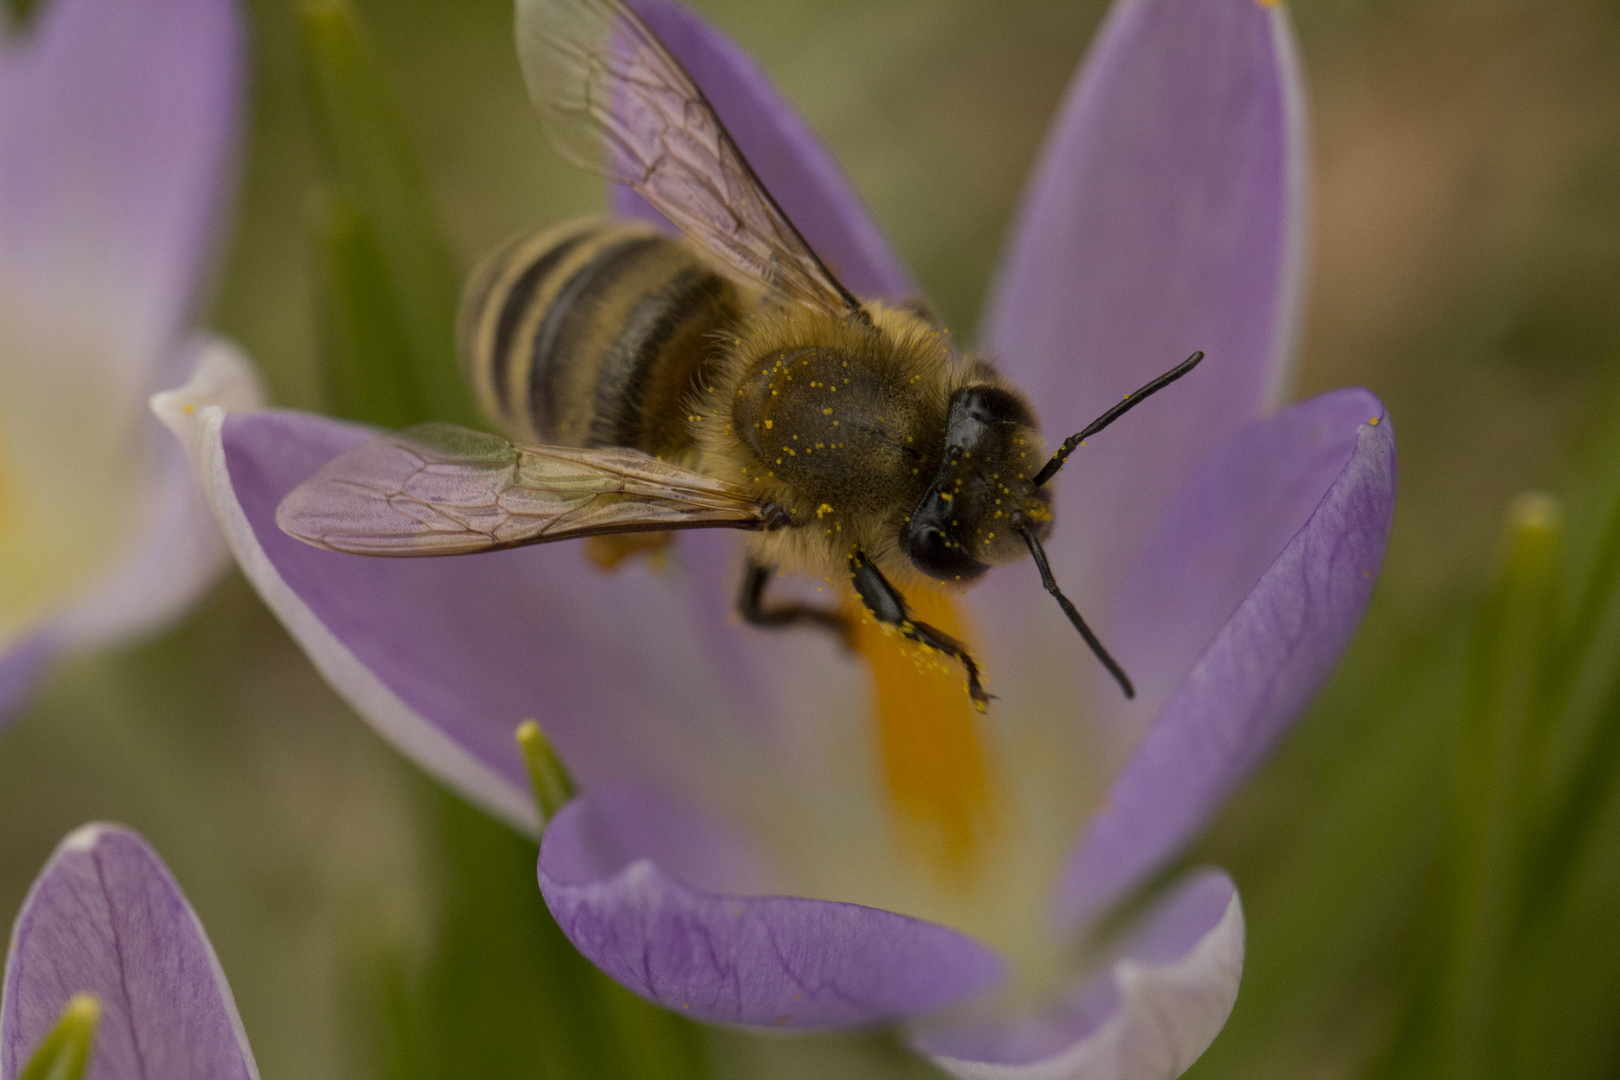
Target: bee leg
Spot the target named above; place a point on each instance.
(886, 604)
(751, 606)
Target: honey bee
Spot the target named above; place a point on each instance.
(726, 379)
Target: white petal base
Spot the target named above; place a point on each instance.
(177, 554)
(172, 557)
(1166, 1015)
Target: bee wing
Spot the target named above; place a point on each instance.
(613, 99)
(438, 489)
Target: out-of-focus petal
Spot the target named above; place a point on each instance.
(20, 670)
(787, 156)
(106, 918)
(612, 866)
(166, 560)
(115, 138)
(1160, 1004)
(1251, 682)
(1166, 215)
(176, 554)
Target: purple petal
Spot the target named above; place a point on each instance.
(249, 462)
(21, 668)
(115, 133)
(1166, 215)
(787, 156)
(1162, 1000)
(1267, 660)
(447, 656)
(608, 867)
(105, 917)
(1235, 514)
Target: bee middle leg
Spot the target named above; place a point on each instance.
(751, 606)
(887, 605)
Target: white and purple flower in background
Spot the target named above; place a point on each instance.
(105, 918)
(773, 833)
(117, 126)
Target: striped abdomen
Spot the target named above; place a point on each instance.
(594, 334)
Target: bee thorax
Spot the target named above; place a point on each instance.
(838, 437)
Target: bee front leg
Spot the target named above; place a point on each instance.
(886, 604)
(751, 606)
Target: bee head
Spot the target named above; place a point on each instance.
(968, 518)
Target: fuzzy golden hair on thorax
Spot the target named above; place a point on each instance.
(838, 421)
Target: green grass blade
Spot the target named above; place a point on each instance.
(501, 993)
(391, 289)
(361, 337)
(1503, 715)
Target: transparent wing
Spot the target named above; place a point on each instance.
(438, 489)
(613, 99)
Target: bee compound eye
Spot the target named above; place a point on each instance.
(934, 553)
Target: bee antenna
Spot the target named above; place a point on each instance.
(1069, 609)
(1131, 401)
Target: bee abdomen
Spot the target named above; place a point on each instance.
(594, 334)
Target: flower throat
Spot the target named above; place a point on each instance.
(940, 777)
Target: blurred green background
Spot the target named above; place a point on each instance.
(1465, 266)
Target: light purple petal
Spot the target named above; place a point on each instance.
(787, 156)
(21, 668)
(322, 597)
(1237, 511)
(115, 134)
(1261, 669)
(1166, 215)
(105, 917)
(611, 869)
(1157, 1007)
(447, 656)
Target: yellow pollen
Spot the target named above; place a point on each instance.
(938, 771)
(609, 553)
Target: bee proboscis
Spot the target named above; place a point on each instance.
(725, 380)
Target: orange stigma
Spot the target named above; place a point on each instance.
(935, 765)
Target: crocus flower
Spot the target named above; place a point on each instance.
(105, 918)
(117, 121)
(774, 832)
